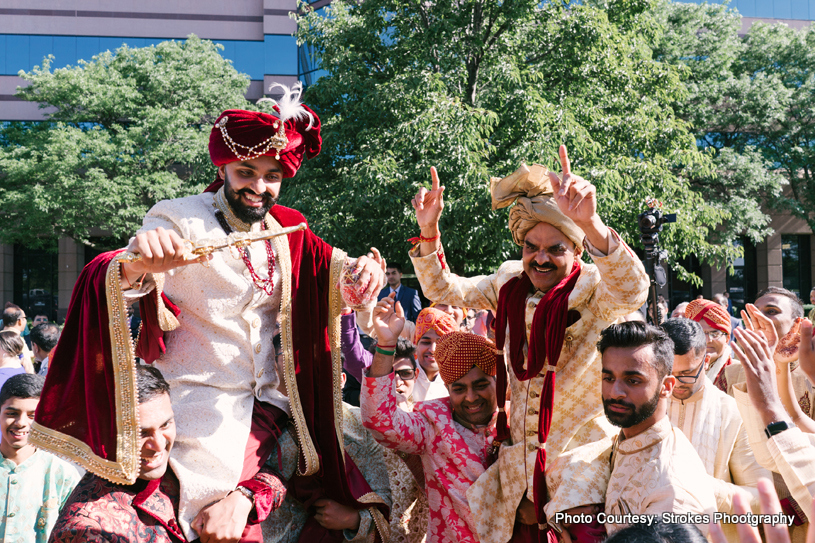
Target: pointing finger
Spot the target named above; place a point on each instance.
(565, 165)
(434, 177)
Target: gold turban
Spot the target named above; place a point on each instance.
(529, 187)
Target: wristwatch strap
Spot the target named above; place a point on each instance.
(248, 493)
(777, 427)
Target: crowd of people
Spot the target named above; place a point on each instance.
(532, 404)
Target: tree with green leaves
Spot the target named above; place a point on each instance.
(476, 88)
(737, 106)
(122, 131)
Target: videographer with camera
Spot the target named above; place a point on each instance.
(551, 308)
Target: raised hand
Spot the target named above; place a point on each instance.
(429, 204)
(806, 352)
(758, 322)
(787, 349)
(576, 197)
(389, 320)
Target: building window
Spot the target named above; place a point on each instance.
(743, 282)
(796, 263)
(35, 280)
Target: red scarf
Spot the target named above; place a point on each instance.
(546, 341)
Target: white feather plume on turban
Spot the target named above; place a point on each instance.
(531, 191)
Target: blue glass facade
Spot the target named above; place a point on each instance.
(773, 9)
(274, 55)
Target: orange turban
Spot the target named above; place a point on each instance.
(459, 352)
(433, 319)
(712, 313)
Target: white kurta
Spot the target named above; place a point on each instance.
(220, 358)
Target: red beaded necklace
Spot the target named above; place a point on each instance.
(266, 285)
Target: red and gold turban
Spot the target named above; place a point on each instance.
(712, 313)
(431, 318)
(243, 135)
(459, 352)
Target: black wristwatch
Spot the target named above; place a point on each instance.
(775, 428)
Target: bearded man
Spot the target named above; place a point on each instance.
(209, 329)
(552, 307)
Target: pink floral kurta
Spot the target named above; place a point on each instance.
(453, 456)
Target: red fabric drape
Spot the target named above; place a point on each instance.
(78, 396)
(545, 343)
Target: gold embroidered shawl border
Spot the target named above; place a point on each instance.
(338, 259)
(125, 470)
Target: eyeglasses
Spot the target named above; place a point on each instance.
(714, 334)
(406, 374)
(691, 379)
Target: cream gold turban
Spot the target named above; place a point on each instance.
(529, 187)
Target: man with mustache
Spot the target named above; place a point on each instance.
(551, 308)
(209, 329)
(710, 419)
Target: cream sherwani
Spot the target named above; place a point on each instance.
(653, 473)
(790, 454)
(219, 359)
(711, 420)
(614, 286)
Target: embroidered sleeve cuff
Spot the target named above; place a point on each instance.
(269, 493)
(366, 524)
(434, 263)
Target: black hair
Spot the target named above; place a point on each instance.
(277, 343)
(45, 335)
(658, 533)
(22, 385)
(395, 265)
(11, 315)
(150, 383)
(405, 349)
(686, 334)
(638, 334)
(795, 302)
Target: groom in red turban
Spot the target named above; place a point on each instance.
(209, 329)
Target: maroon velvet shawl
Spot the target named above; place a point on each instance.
(545, 343)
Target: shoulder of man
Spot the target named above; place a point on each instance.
(287, 216)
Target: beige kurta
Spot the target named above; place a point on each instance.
(790, 454)
(614, 286)
(711, 421)
(654, 473)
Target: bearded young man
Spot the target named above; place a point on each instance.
(650, 467)
(209, 329)
(551, 306)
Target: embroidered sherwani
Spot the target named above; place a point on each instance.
(219, 358)
(615, 286)
(453, 456)
(711, 420)
(658, 471)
